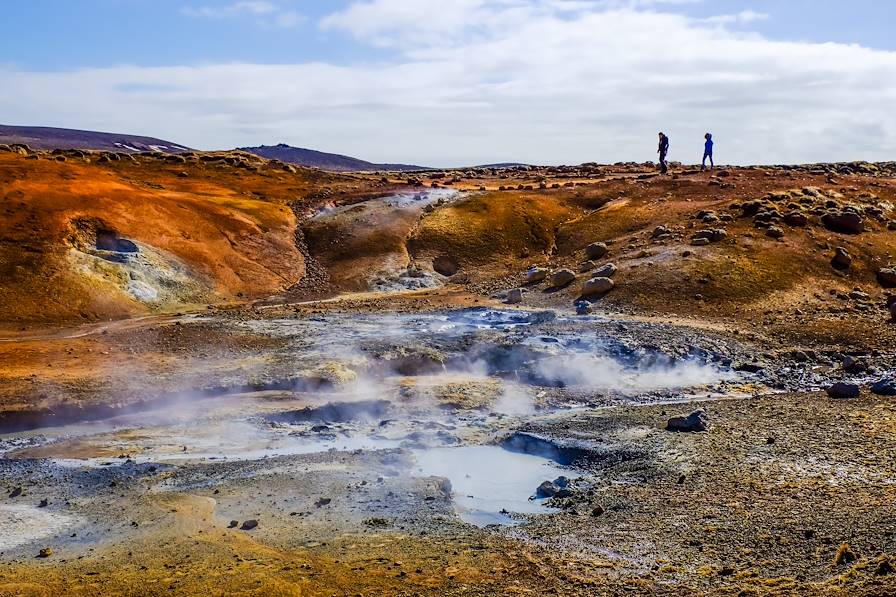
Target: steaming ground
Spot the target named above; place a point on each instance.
(432, 431)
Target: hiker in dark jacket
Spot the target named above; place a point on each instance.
(707, 152)
(663, 150)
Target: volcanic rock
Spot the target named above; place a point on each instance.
(712, 235)
(885, 387)
(842, 259)
(605, 271)
(846, 222)
(694, 422)
(596, 250)
(562, 277)
(536, 274)
(843, 390)
(515, 296)
(249, 525)
(795, 218)
(595, 286)
(584, 308)
(886, 277)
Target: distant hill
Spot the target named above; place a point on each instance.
(325, 161)
(43, 137)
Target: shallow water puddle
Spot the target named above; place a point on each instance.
(490, 483)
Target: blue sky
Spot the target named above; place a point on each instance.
(451, 81)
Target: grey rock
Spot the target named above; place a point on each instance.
(596, 250)
(596, 286)
(562, 277)
(695, 422)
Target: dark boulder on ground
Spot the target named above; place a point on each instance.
(596, 250)
(846, 222)
(886, 277)
(843, 390)
(694, 422)
(885, 387)
(842, 259)
(249, 525)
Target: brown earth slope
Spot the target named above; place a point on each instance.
(206, 230)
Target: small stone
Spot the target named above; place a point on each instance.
(774, 232)
(45, 552)
(584, 308)
(16, 492)
(249, 525)
(233, 524)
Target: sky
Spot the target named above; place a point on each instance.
(460, 82)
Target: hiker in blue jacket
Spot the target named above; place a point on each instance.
(707, 152)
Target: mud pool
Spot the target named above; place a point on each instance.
(353, 410)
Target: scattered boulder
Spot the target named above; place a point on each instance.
(596, 286)
(248, 525)
(559, 488)
(842, 260)
(854, 365)
(885, 387)
(596, 250)
(445, 265)
(886, 277)
(843, 390)
(748, 367)
(774, 232)
(845, 222)
(233, 524)
(712, 235)
(796, 219)
(605, 271)
(45, 552)
(584, 308)
(16, 492)
(546, 490)
(536, 274)
(699, 242)
(562, 277)
(697, 421)
(515, 296)
(586, 266)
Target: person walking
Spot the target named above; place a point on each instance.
(707, 152)
(663, 150)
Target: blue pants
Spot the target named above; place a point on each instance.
(708, 154)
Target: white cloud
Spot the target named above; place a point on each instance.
(476, 81)
(232, 9)
(265, 13)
